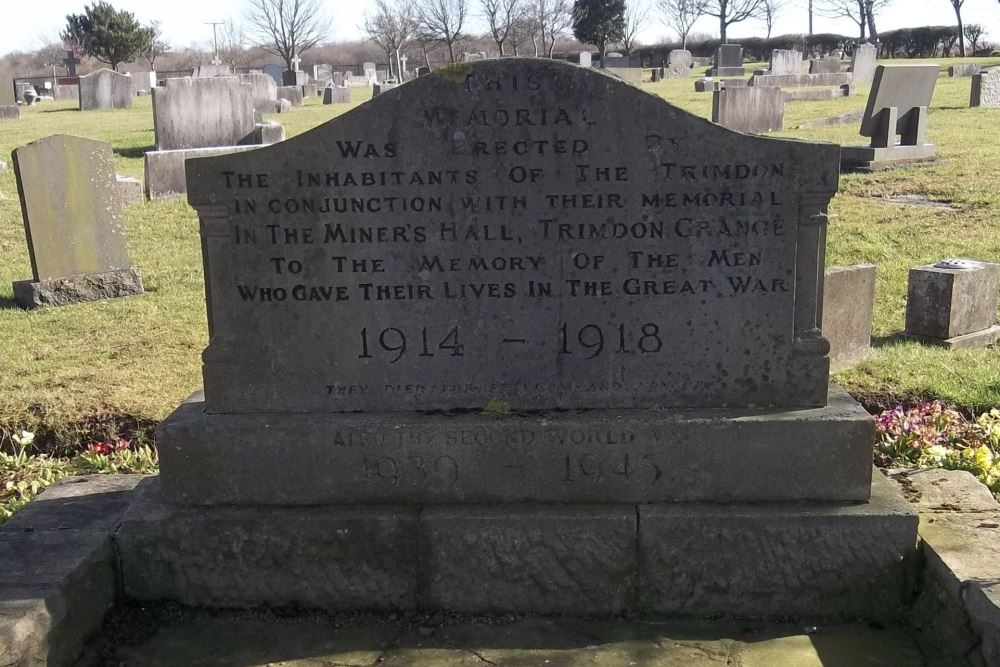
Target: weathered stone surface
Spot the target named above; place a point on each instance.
(602, 456)
(105, 89)
(55, 589)
(380, 88)
(863, 64)
(680, 58)
(815, 94)
(631, 74)
(815, 561)
(555, 560)
(728, 61)
(89, 502)
(211, 70)
(964, 70)
(264, 91)
(275, 72)
(753, 110)
(129, 190)
(291, 93)
(312, 557)
(585, 60)
(202, 113)
(793, 80)
(269, 132)
(983, 605)
(986, 89)
(947, 303)
(164, 170)
(935, 490)
(785, 62)
(825, 65)
(848, 309)
(336, 95)
(30, 294)
(10, 112)
(743, 338)
(71, 208)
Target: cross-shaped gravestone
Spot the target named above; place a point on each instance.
(70, 61)
(295, 63)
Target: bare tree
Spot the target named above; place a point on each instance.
(554, 18)
(636, 15)
(733, 11)
(681, 15)
(157, 45)
(442, 21)
(957, 6)
(771, 10)
(526, 29)
(974, 32)
(232, 41)
(501, 18)
(287, 28)
(390, 26)
(861, 12)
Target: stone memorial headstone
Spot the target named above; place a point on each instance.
(199, 113)
(863, 63)
(105, 89)
(986, 89)
(336, 95)
(585, 59)
(381, 75)
(293, 78)
(264, 91)
(10, 112)
(825, 65)
(212, 70)
(954, 303)
(8, 94)
(291, 93)
(897, 106)
(275, 72)
(848, 309)
(728, 61)
(785, 62)
(412, 292)
(753, 110)
(338, 78)
(964, 70)
(73, 222)
(130, 190)
(680, 58)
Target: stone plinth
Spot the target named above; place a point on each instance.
(953, 307)
(598, 456)
(848, 307)
(30, 294)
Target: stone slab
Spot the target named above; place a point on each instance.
(130, 190)
(785, 61)
(727, 342)
(974, 340)
(751, 110)
(986, 89)
(88, 502)
(291, 93)
(549, 560)
(848, 309)
(56, 587)
(815, 94)
(825, 65)
(793, 80)
(203, 112)
(105, 89)
(964, 70)
(598, 456)
(982, 601)
(933, 490)
(777, 561)
(10, 112)
(867, 158)
(71, 207)
(863, 63)
(948, 303)
(336, 95)
(321, 557)
(30, 294)
(165, 176)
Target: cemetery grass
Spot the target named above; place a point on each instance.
(88, 372)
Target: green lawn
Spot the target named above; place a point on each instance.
(73, 373)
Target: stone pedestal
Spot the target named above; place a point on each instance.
(848, 309)
(953, 307)
(30, 294)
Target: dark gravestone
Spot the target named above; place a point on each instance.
(728, 61)
(73, 222)
(848, 308)
(105, 89)
(954, 303)
(749, 109)
(275, 72)
(897, 107)
(481, 291)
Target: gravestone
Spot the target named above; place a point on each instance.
(275, 72)
(294, 78)
(105, 89)
(954, 303)
(680, 59)
(381, 76)
(291, 93)
(10, 112)
(825, 65)
(199, 113)
(323, 73)
(897, 107)
(752, 110)
(8, 94)
(336, 95)
(263, 91)
(986, 89)
(785, 62)
(848, 309)
(620, 321)
(728, 61)
(380, 88)
(73, 222)
(212, 70)
(423, 70)
(964, 70)
(338, 78)
(585, 59)
(863, 63)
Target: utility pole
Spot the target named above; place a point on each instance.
(810, 17)
(215, 38)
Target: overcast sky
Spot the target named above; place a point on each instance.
(28, 24)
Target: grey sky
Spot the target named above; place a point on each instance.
(28, 25)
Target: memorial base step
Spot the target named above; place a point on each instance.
(779, 560)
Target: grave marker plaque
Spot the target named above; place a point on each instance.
(495, 233)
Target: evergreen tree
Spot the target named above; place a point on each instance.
(599, 22)
(107, 34)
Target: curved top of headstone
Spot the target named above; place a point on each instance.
(521, 230)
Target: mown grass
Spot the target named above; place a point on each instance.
(89, 371)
